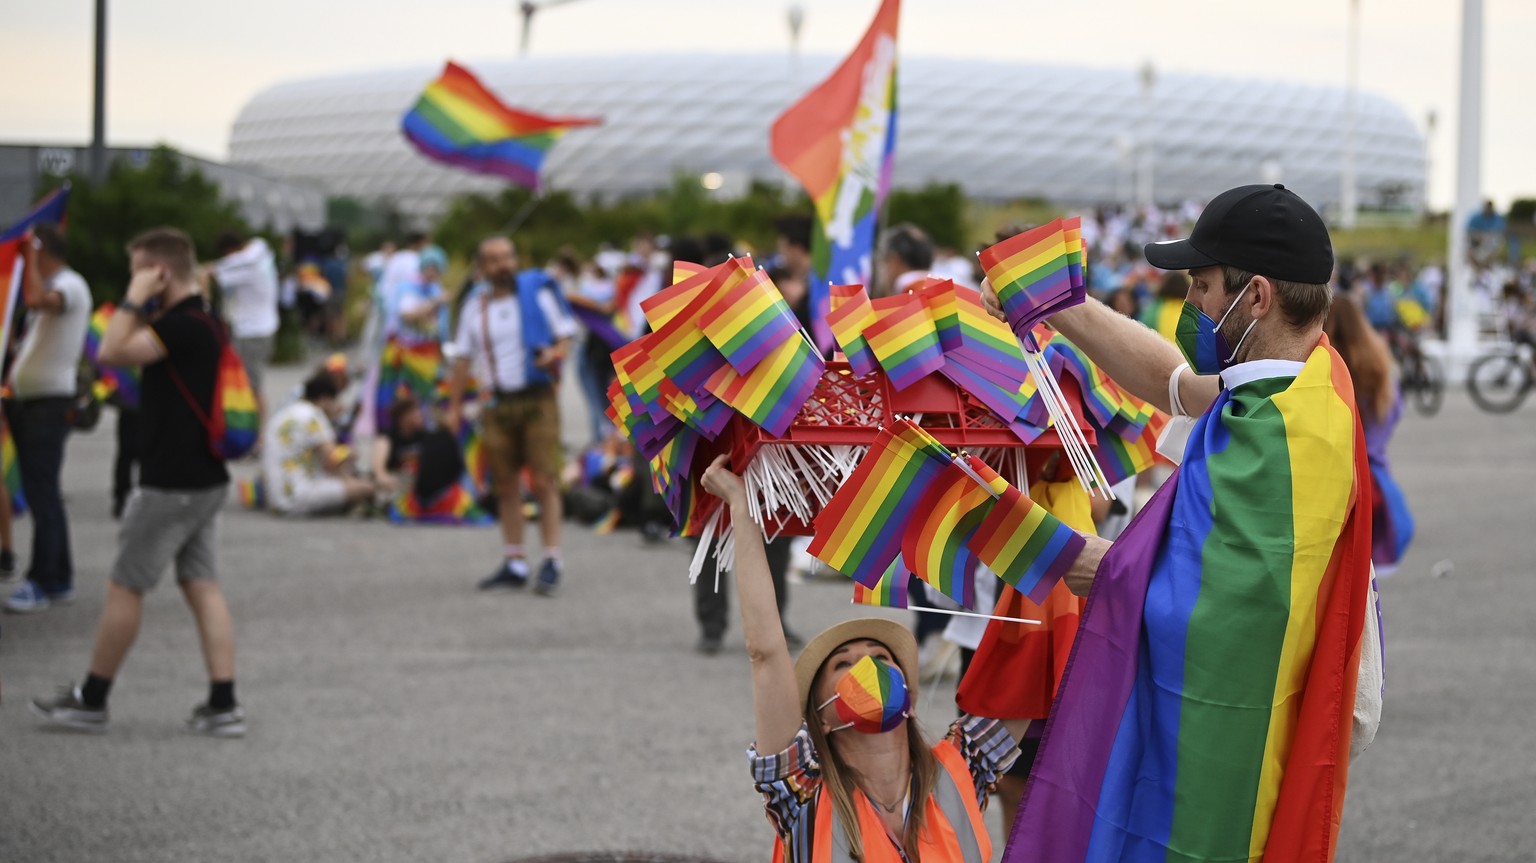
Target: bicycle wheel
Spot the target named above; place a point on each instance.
(1428, 391)
(1499, 382)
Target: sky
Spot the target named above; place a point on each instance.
(179, 71)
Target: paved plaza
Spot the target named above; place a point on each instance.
(399, 715)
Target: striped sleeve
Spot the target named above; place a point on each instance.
(988, 749)
(787, 780)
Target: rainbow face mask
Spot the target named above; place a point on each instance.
(871, 697)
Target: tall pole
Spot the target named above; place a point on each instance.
(1144, 191)
(1461, 317)
(99, 110)
(1348, 203)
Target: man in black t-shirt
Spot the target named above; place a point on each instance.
(173, 515)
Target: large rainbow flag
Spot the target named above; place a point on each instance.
(456, 120)
(839, 141)
(1206, 711)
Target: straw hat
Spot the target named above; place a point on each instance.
(895, 636)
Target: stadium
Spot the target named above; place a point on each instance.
(1001, 131)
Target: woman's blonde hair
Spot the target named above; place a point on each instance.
(838, 778)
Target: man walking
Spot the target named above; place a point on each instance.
(43, 380)
(173, 515)
(516, 330)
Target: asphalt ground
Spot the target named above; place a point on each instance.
(396, 714)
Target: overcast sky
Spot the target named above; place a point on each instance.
(180, 70)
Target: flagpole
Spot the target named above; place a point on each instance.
(954, 613)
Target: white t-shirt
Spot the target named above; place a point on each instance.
(49, 360)
(506, 332)
(290, 462)
(401, 273)
(248, 277)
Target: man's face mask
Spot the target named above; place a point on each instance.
(1201, 339)
(871, 697)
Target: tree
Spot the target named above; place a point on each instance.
(165, 191)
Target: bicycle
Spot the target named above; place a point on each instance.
(1423, 377)
(1500, 381)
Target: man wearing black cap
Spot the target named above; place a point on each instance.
(1211, 701)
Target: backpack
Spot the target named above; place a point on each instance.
(232, 425)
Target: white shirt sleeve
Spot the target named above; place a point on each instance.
(466, 342)
(561, 325)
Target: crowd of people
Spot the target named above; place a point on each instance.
(449, 410)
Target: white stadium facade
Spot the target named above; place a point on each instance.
(1001, 131)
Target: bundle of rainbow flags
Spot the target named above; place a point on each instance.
(913, 506)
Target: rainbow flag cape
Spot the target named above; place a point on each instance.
(889, 592)
(1207, 707)
(459, 122)
(839, 141)
(859, 531)
(1392, 525)
(406, 369)
(455, 505)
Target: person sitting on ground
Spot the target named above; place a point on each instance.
(306, 472)
(843, 783)
(397, 452)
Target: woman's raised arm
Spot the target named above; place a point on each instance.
(775, 695)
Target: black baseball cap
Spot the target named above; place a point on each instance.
(1265, 230)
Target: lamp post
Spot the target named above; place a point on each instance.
(1348, 203)
(1461, 317)
(99, 102)
(1144, 191)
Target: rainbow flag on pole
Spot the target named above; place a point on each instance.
(839, 142)
(889, 592)
(1026, 546)
(1207, 708)
(459, 122)
(934, 545)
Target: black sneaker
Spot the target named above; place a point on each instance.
(507, 576)
(216, 723)
(549, 579)
(66, 710)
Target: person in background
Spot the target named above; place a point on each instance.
(43, 382)
(1123, 300)
(516, 333)
(1381, 407)
(792, 270)
(397, 452)
(591, 294)
(172, 517)
(905, 255)
(305, 471)
(246, 271)
(1162, 313)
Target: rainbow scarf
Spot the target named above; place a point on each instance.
(839, 141)
(459, 122)
(1206, 711)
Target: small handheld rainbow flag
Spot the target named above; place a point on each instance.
(859, 531)
(904, 339)
(775, 390)
(1026, 546)
(889, 592)
(851, 315)
(459, 122)
(934, 544)
(748, 320)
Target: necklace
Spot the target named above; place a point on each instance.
(891, 808)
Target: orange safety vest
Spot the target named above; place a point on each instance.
(953, 830)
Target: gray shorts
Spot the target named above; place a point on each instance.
(254, 352)
(164, 525)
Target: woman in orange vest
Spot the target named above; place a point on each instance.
(844, 770)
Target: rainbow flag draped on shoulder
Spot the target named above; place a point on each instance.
(460, 122)
(839, 141)
(1206, 711)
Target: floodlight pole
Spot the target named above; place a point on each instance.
(1144, 192)
(1348, 202)
(1461, 316)
(99, 108)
